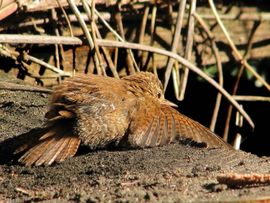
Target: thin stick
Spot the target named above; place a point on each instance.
(82, 23)
(66, 17)
(117, 36)
(188, 50)
(142, 32)
(143, 24)
(17, 87)
(250, 98)
(239, 75)
(38, 39)
(219, 67)
(116, 54)
(85, 31)
(93, 28)
(241, 180)
(153, 31)
(56, 53)
(107, 56)
(118, 18)
(97, 57)
(152, 41)
(175, 42)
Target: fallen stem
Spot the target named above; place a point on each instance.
(17, 87)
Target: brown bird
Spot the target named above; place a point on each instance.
(98, 111)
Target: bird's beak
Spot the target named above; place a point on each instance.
(169, 103)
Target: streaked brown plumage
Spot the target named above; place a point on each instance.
(98, 111)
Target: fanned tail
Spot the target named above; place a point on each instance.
(55, 145)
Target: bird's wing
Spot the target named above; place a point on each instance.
(149, 126)
(186, 127)
(155, 124)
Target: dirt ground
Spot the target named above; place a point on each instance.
(173, 173)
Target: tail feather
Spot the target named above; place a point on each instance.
(70, 149)
(54, 145)
(50, 133)
(34, 153)
(51, 152)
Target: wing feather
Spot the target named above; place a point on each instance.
(150, 139)
(188, 128)
(156, 124)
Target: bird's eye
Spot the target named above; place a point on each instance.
(159, 95)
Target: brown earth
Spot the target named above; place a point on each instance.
(173, 173)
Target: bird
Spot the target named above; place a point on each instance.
(100, 111)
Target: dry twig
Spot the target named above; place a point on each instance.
(17, 87)
(235, 180)
(239, 75)
(175, 43)
(219, 67)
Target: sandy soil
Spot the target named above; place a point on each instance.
(173, 173)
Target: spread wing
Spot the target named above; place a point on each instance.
(155, 124)
(186, 127)
(150, 126)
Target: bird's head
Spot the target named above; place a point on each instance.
(147, 83)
